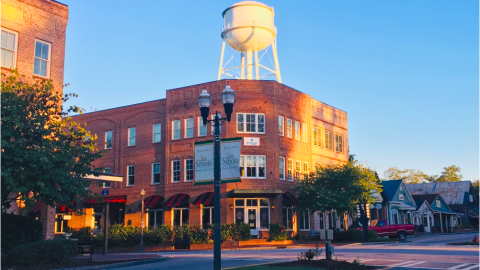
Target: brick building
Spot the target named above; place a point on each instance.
(151, 145)
(33, 42)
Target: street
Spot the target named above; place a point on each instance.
(425, 252)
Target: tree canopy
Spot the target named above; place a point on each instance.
(44, 155)
(411, 176)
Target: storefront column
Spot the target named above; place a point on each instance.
(47, 217)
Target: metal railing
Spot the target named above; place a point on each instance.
(256, 23)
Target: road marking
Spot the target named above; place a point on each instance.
(471, 267)
(458, 266)
(410, 265)
(398, 264)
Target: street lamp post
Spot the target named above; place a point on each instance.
(142, 193)
(204, 100)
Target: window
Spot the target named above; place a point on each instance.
(60, 223)
(339, 143)
(281, 166)
(305, 168)
(304, 220)
(131, 175)
(181, 216)
(41, 62)
(297, 131)
(175, 170)
(280, 126)
(438, 204)
(176, 130)
(264, 214)
(189, 169)
(213, 126)
(328, 140)
(155, 218)
(189, 128)
(156, 173)
(207, 216)
(108, 140)
(317, 136)
(107, 184)
(252, 166)
(250, 123)
(9, 48)
(287, 213)
(202, 129)
(290, 169)
(157, 133)
(298, 169)
(305, 132)
(132, 132)
(289, 128)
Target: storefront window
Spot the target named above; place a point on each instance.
(60, 224)
(207, 216)
(180, 217)
(287, 213)
(304, 219)
(155, 218)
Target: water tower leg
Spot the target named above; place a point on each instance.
(242, 72)
(249, 65)
(256, 58)
(220, 68)
(277, 67)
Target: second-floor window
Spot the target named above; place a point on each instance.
(298, 169)
(339, 143)
(328, 140)
(305, 132)
(317, 136)
(250, 123)
(131, 175)
(41, 62)
(281, 167)
(176, 171)
(189, 169)
(176, 130)
(289, 128)
(189, 128)
(107, 184)
(290, 169)
(297, 131)
(280, 126)
(156, 173)
(157, 133)
(252, 166)
(108, 140)
(9, 48)
(202, 129)
(132, 135)
(305, 168)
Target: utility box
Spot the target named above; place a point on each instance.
(329, 234)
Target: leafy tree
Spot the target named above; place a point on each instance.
(410, 176)
(44, 155)
(450, 174)
(475, 184)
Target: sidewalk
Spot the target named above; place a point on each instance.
(100, 261)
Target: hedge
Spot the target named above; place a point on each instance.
(277, 232)
(19, 230)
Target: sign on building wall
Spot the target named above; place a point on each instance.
(203, 162)
(230, 159)
(251, 141)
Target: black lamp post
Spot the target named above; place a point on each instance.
(142, 224)
(204, 100)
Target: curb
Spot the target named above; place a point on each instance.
(114, 265)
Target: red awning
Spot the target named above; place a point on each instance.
(110, 199)
(205, 198)
(177, 200)
(59, 207)
(154, 201)
(36, 207)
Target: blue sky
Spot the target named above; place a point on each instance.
(406, 72)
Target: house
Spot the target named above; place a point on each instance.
(443, 217)
(423, 216)
(400, 204)
(459, 196)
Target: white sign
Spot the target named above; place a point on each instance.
(203, 162)
(67, 217)
(400, 197)
(378, 206)
(251, 141)
(230, 160)
(394, 211)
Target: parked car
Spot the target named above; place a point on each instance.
(382, 228)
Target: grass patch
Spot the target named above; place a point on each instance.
(267, 267)
(465, 243)
(309, 264)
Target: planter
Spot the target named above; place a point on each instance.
(181, 243)
(225, 244)
(136, 248)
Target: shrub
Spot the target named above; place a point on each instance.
(19, 230)
(41, 253)
(243, 230)
(120, 235)
(83, 234)
(158, 235)
(357, 235)
(310, 254)
(277, 232)
(182, 232)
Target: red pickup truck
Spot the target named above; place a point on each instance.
(393, 231)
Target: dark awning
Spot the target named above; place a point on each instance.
(36, 207)
(252, 193)
(178, 200)
(154, 201)
(205, 198)
(110, 199)
(289, 198)
(59, 207)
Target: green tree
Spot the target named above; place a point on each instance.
(410, 176)
(476, 184)
(44, 155)
(450, 174)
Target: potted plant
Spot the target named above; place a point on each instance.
(67, 232)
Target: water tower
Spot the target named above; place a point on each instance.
(249, 29)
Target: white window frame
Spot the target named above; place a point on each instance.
(201, 126)
(243, 160)
(297, 131)
(305, 172)
(290, 173)
(305, 132)
(186, 169)
(62, 228)
(281, 176)
(156, 215)
(179, 129)
(317, 136)
(49, 57)
(106, 139)
(210, 209)
(293, 214)
(187, 128)
(130, 137)
(438, 203)
(159, 132)
(14, 60)
(328, 142)
(128, 175)
(256, 123)
(289, 128)
(181, 215)
(179, 171)
(107, 170)
(281, 125)
(153, 173)
(338, 143)
(298, 172)
(306, 214)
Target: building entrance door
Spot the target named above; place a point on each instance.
(252, 220)
(426, 223)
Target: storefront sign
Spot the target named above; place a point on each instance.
(394, 211)
(203, 162)
(251, 141)
(400, 197)
(230, 159)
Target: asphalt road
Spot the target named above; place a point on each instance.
(426, 252)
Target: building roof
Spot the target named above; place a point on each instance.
(390, 188)
(452, 192)
(430, 198)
